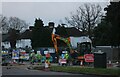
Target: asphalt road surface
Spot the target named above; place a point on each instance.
(21, 71)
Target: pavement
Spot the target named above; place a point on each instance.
(21, 70)
(24, 71)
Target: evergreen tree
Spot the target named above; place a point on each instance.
(47, 39)
(102, 34)
(36, 38)
(108, 31)
(41, 36)
(113, 17)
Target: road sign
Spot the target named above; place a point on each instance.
(89, 57)
(15, 54)
(62, 61)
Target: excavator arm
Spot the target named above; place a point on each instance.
(66, 40)
(55, 42)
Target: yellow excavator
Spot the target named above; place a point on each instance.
(84, 45)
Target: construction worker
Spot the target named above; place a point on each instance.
(32, 58)
(67, 57)
(47, 61)
(48, 55)
(47, 65)
(38, 58)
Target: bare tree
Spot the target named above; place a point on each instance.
(4, 24)
(0, 32)
(12, 22)
(86, 18)
(17, 24)
(12, 26)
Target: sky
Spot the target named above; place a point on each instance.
(46, 10)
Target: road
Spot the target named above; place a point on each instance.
(22, 70)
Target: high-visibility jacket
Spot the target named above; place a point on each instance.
(38, 56)
(66, 56)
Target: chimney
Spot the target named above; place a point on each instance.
(31, 28)
(51, 24)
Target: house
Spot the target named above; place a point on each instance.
(5, 41)
(23, 40)
(24, 37)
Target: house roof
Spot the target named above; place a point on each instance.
(70, 31)
(26, 34)
(73, 32)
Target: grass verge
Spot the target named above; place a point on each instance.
(84, 70)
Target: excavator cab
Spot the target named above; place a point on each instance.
(84, 48)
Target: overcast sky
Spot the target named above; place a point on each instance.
(47, 11)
